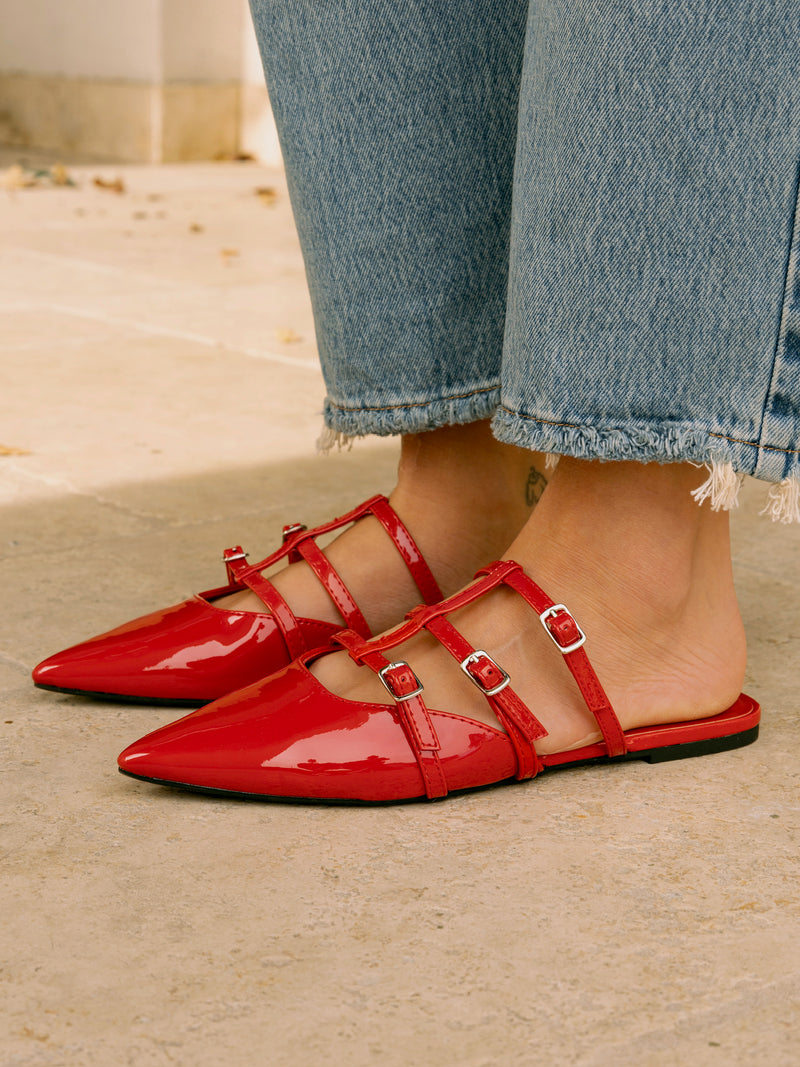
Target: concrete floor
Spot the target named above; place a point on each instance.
(632, 915)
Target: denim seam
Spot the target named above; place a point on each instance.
(783, 312)
(711, 433)
(415, 404)
(755, 444)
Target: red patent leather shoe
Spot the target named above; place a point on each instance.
(288, 738)
(194, 652)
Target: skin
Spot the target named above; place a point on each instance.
(457, 478)
(645, 571)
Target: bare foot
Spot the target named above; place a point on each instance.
(647, 575)
(463, 496)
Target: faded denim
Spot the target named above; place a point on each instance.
(579, 218)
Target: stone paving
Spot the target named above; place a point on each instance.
(160, 399)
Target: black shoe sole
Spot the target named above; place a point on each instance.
(122, 698)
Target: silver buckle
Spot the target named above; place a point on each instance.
(236, 555)
(472, 658)
(406, 696)
(563, 649)
(290, 531)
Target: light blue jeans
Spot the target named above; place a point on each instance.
(578, 217)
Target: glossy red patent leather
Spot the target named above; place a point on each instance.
(287, 737)
(194, 652)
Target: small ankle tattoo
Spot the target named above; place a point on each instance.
(534, 487)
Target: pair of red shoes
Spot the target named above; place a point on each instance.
(285, 737)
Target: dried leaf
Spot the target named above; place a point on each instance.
(288, 336)
(267, 195)
(228, 254)
(111, 185)
(195, 227)
(59, 175)
(16, 178)
(9, 450)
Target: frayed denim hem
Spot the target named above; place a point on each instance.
(343, 424)
(671, 444)
(721, 457)
(721, 489)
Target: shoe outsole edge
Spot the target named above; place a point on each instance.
(664, 754)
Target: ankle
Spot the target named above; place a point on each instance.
(648, 573)
(632, 525)
(465, 496)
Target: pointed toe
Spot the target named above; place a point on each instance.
(195, 652)
(86, 668)
(51, 673)
(188, 654)
(289, 738)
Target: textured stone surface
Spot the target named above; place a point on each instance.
(133, 121)
(603, 917)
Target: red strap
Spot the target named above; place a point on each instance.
(281, 612)
(405, 544)
(521, 724)
(419, 616)
(335, 587)
(239, 573)
(559, 623)
(297, 532)
(300, 543)
(234, 560)
(407, 547)
(401, 682)
(565, 632)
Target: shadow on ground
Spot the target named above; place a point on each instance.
(76, 564)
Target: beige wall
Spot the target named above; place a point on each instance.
(133, 80)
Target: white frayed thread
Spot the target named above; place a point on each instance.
(783, 502)
(721, 487)
(330, 439)
(551, 461)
